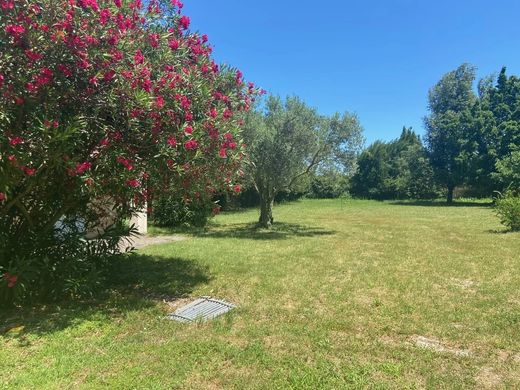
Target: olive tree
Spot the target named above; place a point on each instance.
(287, 140)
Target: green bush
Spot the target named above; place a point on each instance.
(173, 212)
(57, 265)
(508, 209)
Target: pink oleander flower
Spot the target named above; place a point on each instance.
(154, 40)
(191, 145)
(104, 16)
(7, 4)
(125, 162)
(15, 30)
(108, 76)
(15, 141)
(10, 279)
(184, 22)
(159, 102)
(28, 171)
(83, 167)
(33, 56)
(138, 57)
(227, 114)
(173, 44)
(133, 183)
(65, 70)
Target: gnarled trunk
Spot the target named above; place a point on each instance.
(266, 211)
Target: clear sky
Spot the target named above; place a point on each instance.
(377, 58)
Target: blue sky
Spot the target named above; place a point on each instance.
(377, 58)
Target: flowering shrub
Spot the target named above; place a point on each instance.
(105, 99)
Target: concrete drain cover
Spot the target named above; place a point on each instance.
(201, 309)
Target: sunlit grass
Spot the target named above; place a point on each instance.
(336, 295)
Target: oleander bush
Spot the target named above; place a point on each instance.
(111, 100)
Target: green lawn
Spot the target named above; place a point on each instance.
(339, 294)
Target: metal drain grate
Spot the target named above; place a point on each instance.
(202, 309)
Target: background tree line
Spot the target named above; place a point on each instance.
(472, 140)
(472, 143)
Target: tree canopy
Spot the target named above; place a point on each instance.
(398, 169)
(449, 125)
(287, 140)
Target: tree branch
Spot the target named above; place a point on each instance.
(315, 161)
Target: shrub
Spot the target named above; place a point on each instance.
(61, 265)
(104, 99)
(508, 209)
(172, 212)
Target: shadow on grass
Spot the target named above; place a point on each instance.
(502, 231)
(436, 203)
(278, 231)
(135, 283)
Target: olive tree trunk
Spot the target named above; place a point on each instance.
(266, 210)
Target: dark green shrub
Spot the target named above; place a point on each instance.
(173, 212)
(508, 209)
(61, 264)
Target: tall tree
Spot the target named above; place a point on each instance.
(288, 140)
(449, 125)
(505, 106)
(371, 178)
(497, 131)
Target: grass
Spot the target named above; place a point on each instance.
(337, 295)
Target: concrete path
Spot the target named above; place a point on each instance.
(144, 241)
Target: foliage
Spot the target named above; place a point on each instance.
(170, 211)
(108, 101)
(327, 184)
(508, 169)
(473, 139)
(289, 140)
(508, 209)
(473, 143)
(399, 169)
(62, 266)
(448, 126)
(497, 119)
